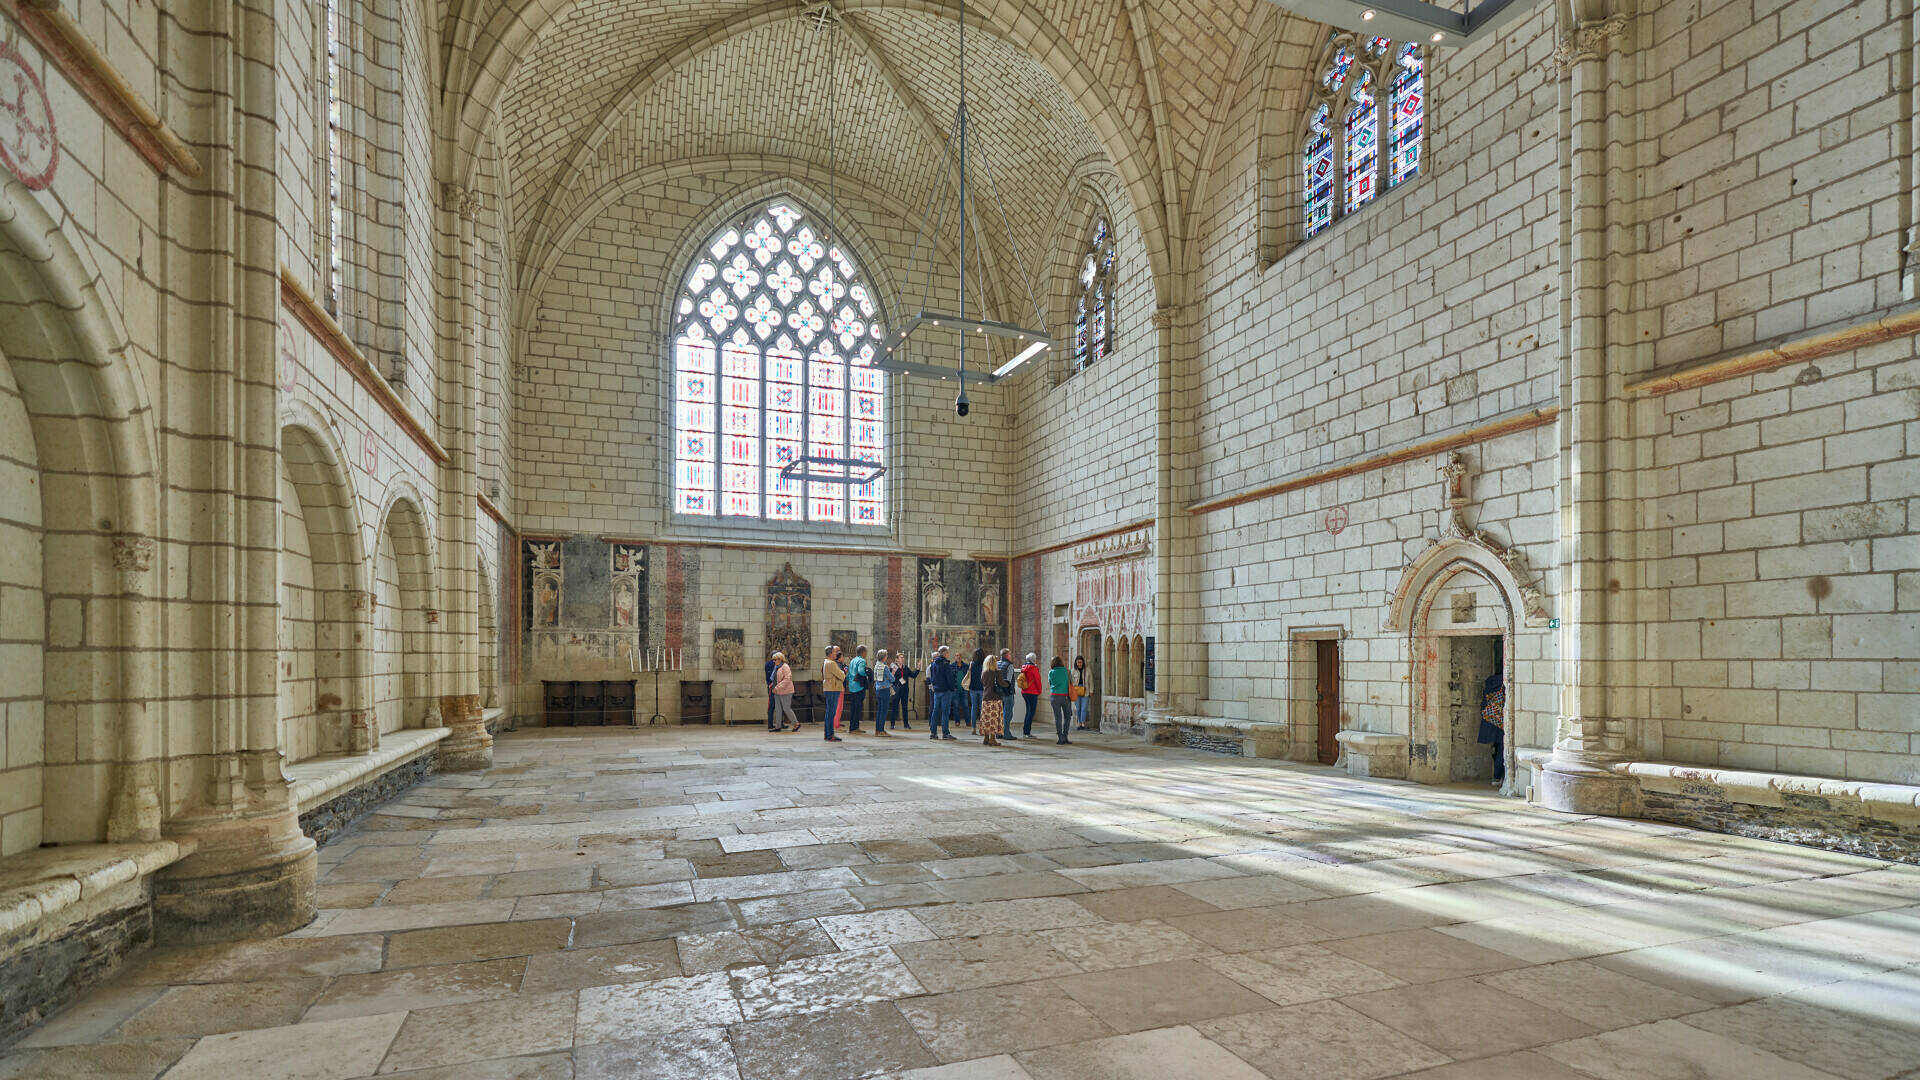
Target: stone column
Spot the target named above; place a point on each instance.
(469, 747)
(135, 814)
(1595, 726)
(1180, 666)
(253, 869)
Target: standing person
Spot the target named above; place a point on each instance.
(1058, 680)
(976, 688)
(859, 678)
(1030, 690)
(834, 680)
(1493, 710)
(990, 723)
(903, 677)
(1079, 693)
(882, 691)
(780, 687)
(773, 667)
(1008, 675)
(943, 681)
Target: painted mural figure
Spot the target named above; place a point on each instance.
(546, 601)
(624, 602)
(989, 593)
(933, 598)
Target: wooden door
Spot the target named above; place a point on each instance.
(1326, 655)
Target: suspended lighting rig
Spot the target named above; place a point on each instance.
(1029, 342)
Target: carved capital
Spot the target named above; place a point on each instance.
(1163, 317)
(1588, 41)
(461, 201)
(133, 553)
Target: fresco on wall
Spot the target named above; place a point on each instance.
(586, 606)
(790, 617)
(963, 604)
(627, 576)
(729, 649)
(543, 584)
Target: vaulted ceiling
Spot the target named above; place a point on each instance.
(581, 94)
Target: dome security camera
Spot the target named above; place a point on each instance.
(961, 406)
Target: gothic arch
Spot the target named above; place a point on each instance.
(92, 429)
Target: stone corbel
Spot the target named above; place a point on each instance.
(1163, 317)
(132, 553)
(461, 201)
(1588, 41)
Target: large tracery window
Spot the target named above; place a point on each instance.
(1093, 312)
(1342, 154)
(775, 333)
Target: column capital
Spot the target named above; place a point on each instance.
(1587, 41)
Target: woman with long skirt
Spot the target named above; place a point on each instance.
(990, 724)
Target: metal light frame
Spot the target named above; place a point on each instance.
(1035, 341)
(800, 469)
(1413, 20)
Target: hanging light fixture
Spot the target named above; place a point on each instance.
(1029, 343)
(828, 468)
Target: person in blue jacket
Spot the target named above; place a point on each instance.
(943, 679)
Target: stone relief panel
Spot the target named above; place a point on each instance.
(963, 604)
(586, 607)
(790, 617)
(729, 649)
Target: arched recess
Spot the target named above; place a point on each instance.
(1459, 605)
(490, 52)
(402, 653)
(79, 439)
(326, 608)
(489, 638)
(1123, 669)
(1137, 678)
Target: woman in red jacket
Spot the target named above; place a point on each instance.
(1030, 689)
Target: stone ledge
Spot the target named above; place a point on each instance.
(494, 720)
(1374, 753)
(318, 780)
(37, 887)
(1253, 738)
(1896, 803)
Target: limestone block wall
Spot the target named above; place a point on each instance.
(592, 425)
(1777, 517)
(23, 627)
(1086, 439)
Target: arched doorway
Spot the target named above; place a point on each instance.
(1090, 648)
(22, 626)
(1459, 605)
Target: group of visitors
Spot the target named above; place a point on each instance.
(978, 692)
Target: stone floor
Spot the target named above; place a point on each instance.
(718, 904)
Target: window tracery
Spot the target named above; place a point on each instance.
(1341, 155)
(1093, 309)
(775, 332)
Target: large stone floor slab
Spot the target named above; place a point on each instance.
(721, 905)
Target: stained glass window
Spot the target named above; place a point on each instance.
(1342, 153)
(1409, 107)
(1093, 308)
(775, 335)
(335, 33)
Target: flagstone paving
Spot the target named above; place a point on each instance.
(712, 904)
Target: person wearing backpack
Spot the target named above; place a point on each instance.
(1058, 681)
(1008, 673)
(1030, 690)
(859, 677)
